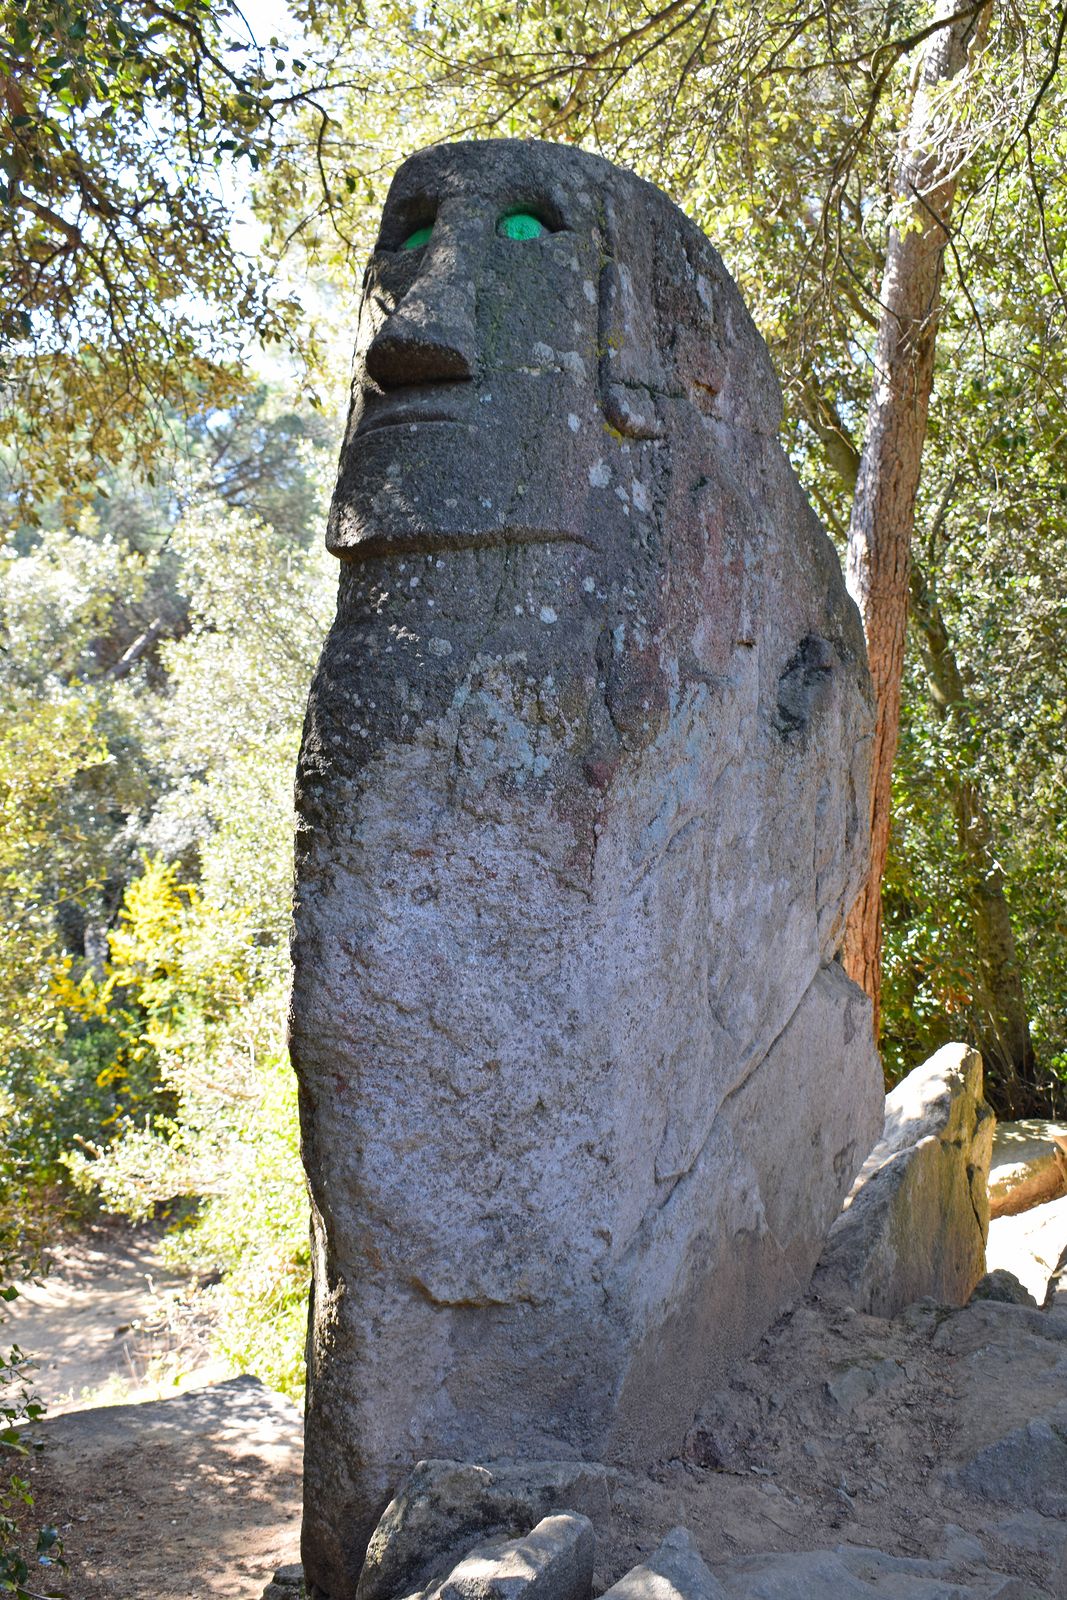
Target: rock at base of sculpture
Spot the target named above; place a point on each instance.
(287, 1583)
(554, 1561)
(446, 1506)
(1003, 1287)
(916, 1222)
(675, 1571)
(582, 810)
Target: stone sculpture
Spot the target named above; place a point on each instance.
(581, 812)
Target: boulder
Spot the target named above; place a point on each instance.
(1028, 1166)
(1031, 1245)
(445, 1507)
(582, 809)
(915, 1223)
(675, 1572)
(1003, 1286)
(554, 1561)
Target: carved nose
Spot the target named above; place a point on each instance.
(417, 346)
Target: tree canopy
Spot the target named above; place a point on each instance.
(129, 295)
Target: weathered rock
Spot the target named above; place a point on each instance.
(1003, 1286)
(1026, 1468)
(916, 1221)
(856, 1574)
(854, 1384)
(1031, 1245)
(675, 1572)
(554, 1561)
(287, 1583)
(986, 1323)
(581, 817)
(1028, 1166)
(446, 1506)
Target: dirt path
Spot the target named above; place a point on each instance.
(171, 1499)
(196, 1494)
(108, 1323)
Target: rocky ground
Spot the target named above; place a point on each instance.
(938, 1437)
(851, 1458)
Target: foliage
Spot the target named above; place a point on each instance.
(129, 299)
(155, 666)
(197, 972)
(19, 1406)
(996, 547)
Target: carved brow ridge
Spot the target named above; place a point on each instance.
(421, 209)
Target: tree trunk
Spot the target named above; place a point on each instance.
(883, 511)
(1004, 1026)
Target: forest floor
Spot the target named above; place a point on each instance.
(165, 1478)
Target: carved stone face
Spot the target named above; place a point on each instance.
(505, 369)
(475, 410)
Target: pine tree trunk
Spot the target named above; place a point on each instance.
(1004, 1026)
(883, 511)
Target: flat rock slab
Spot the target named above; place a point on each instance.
(1026, 1468)
(198, 1495)
(1028, 1167)
(848, 1574)
(1032, 1245)
(1030, 1533)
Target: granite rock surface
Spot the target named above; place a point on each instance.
(917, 1219)
(581, 814)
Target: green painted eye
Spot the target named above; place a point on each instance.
(520, 225)
(416, 240)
